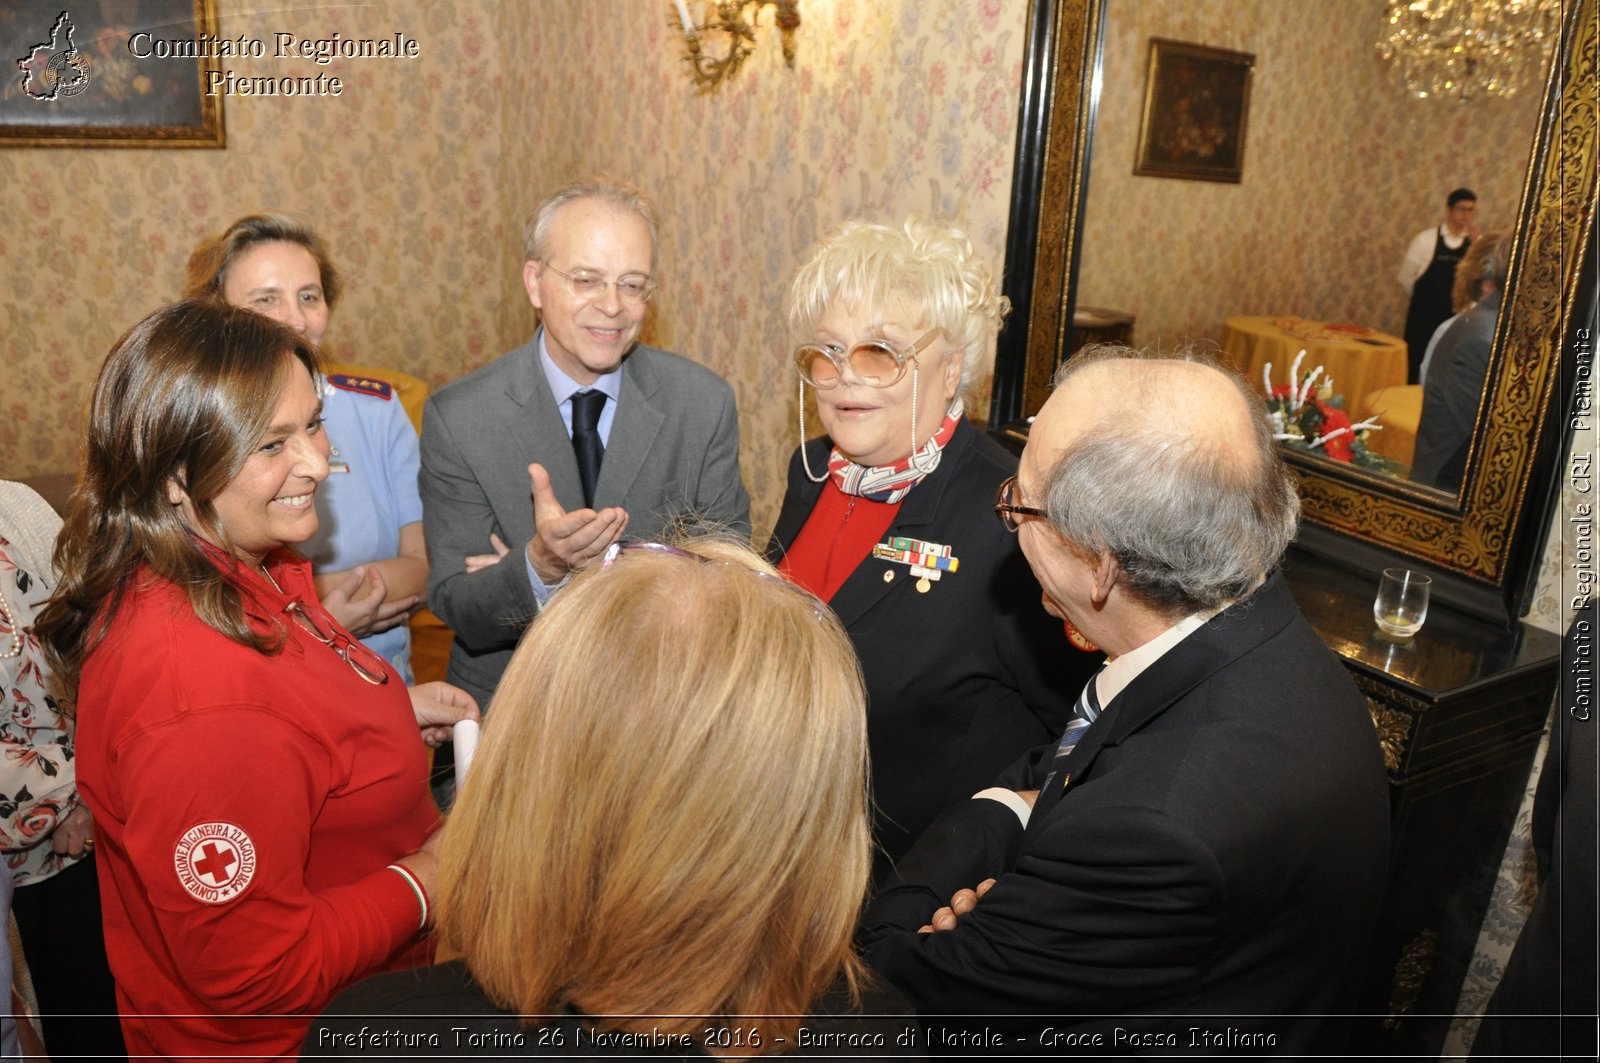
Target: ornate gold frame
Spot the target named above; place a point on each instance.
(1482, 542)
(209, 132)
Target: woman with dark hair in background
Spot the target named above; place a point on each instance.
(256, 774)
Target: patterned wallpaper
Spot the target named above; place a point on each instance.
(400, 174)
(892, 108)
(1341, 170)
(421, 173)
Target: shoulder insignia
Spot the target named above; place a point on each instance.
(215, 862)
(364, 385)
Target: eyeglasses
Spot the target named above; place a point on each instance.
(874, 362)
(365, 663)
(616, 550)
(1009, 510)
(635, 289)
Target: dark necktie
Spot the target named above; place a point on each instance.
(586, 445)
(1084, 713)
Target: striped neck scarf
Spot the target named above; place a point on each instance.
(891, 483)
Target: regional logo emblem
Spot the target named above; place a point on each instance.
(55, 69)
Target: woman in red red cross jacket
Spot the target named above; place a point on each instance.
(257, 776)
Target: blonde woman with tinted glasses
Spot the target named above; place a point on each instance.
(258, 781)
(664, 832)
(889, 518)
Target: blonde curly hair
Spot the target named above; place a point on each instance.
(931, 271)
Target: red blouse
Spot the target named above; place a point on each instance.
(837, 537)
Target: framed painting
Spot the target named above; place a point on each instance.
(109, 73)
(1196, 104)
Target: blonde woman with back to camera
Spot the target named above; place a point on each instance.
(663, 834)
(889, 518)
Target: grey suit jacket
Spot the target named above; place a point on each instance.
(673, 454)
(1451, 398)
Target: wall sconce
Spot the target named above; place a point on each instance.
(736, 20)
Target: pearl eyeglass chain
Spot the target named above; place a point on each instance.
(11, 622)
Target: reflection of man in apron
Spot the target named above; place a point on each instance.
(1429, 272)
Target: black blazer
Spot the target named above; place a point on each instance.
(965, 678)
(1220, 849)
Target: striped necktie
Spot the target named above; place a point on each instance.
(1084, 713)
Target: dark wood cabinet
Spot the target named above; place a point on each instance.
(1459, 711)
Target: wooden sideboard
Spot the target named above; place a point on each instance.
(1459, 711)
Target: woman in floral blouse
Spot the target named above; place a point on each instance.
(46, 833)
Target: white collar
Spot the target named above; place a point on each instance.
(1118, 672)
(563, 387)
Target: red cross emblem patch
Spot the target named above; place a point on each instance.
(215, 862)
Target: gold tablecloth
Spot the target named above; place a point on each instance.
(1359, 362)
(1399, 410)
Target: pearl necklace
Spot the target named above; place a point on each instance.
(11, 622)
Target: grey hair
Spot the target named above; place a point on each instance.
(1193, 523)
(536, 234)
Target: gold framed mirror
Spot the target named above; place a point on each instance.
(1481, 541)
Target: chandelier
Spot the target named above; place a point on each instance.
(1469, 48)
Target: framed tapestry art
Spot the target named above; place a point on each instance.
(112, 73)
(1196, 102)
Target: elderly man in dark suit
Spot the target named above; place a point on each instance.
(603, 432)
(1209, 839)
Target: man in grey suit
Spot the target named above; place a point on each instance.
(1459, 371)
(551, 451)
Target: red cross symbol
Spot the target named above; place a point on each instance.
(215, 861)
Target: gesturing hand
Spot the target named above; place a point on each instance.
(565, 541)
(960, 904)
(438, 707)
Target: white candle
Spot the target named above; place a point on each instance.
(465, 736)
(683, 17)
